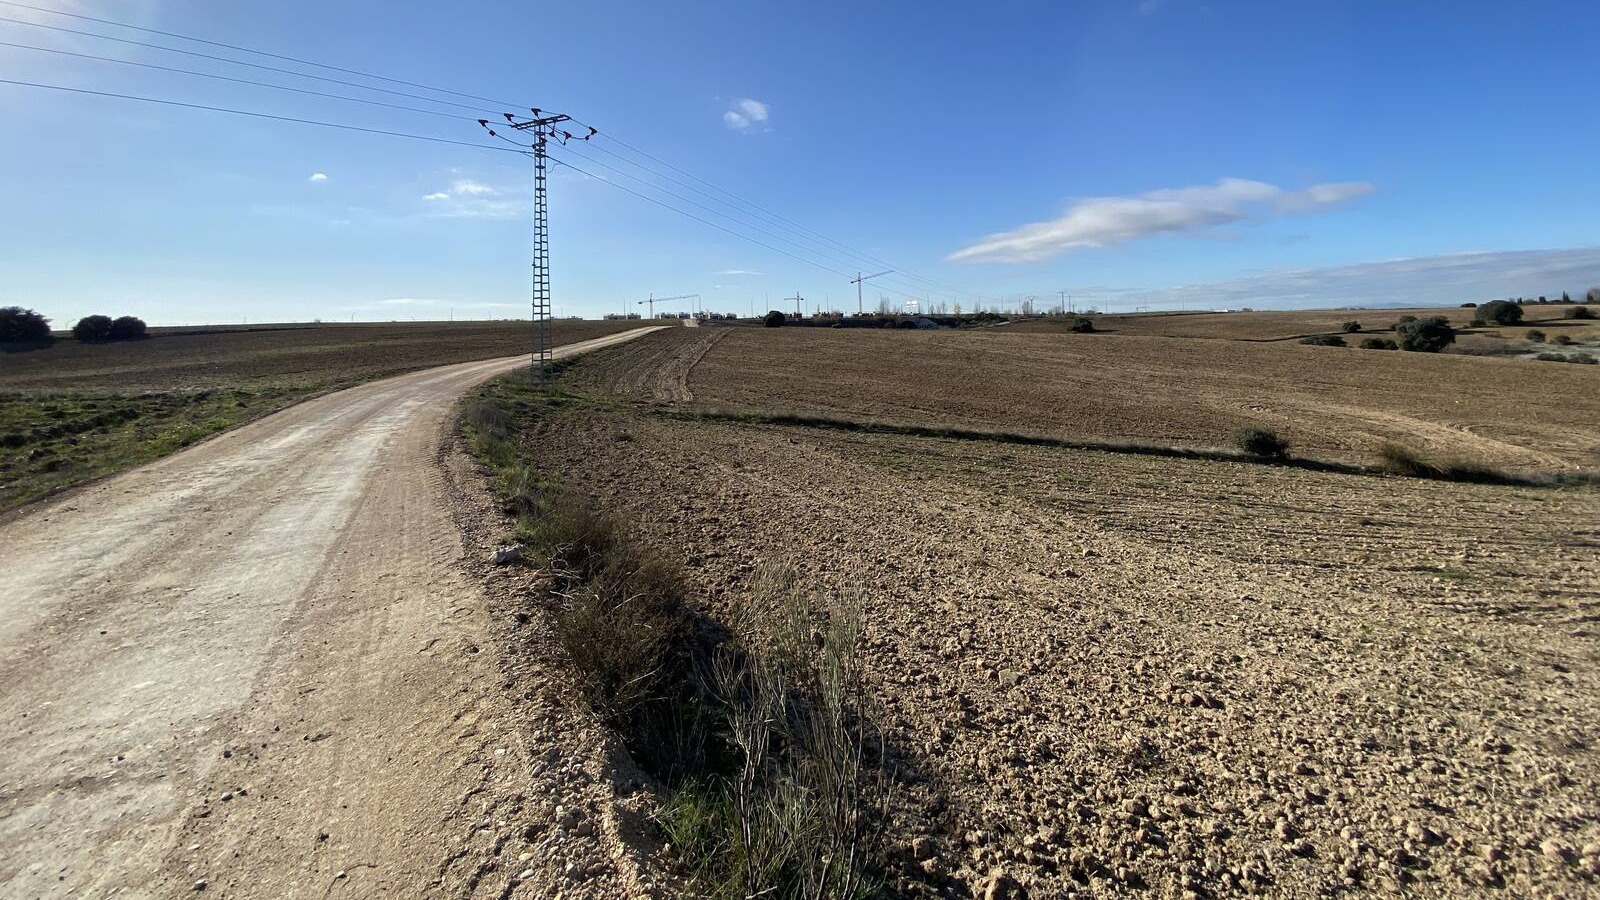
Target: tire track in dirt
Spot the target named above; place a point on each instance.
(254, 663)
(672, 379)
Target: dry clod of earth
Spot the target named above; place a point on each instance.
(1107, 673)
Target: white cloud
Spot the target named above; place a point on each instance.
(317, 176)
(738, 272)
(745, 113)
(1104, 221)
(468, 188)
(466, 198)
(1445, 279)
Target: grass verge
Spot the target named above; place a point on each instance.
(758, 729)
(51, 442)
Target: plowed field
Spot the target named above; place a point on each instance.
(1110, 672)
(1329, 401)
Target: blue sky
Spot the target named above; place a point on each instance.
(1132, 152)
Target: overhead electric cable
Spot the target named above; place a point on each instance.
(128, 62)
(239, 62)
(257, 115)
(752, 209)
(293, 59)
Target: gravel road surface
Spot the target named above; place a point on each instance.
(251, 667)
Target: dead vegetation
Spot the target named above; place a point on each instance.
(756, 726)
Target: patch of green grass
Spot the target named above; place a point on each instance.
(53, 441)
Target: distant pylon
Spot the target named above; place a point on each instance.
(543, 127)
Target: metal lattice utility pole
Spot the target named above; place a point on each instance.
(543, 127)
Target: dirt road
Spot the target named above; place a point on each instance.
(252, 666)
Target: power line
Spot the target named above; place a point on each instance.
(239, 62)
(293, 59)
(819, 247)
(128, 62)
(793, 224)
(767, 216)
(742, 224)
(680, 212)
(257, 115)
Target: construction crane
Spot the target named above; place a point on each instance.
(860, 278)
(654, 300)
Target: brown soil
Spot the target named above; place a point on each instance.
(288, 355)
(1277, 325)
(1109, 672)
(268, 666)
(1329, 401)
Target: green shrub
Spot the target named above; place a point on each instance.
(1258, 441)
(1535, 335)
(22, 326)
(1374, 343)
(1351, 327)
(93, 329)
(1561, 340)
(774, 319)
(1428, 335)
(1580, 312)
(1323, 340)
(1081, 325)
(1498, 312)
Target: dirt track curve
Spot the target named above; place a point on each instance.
(229, 665)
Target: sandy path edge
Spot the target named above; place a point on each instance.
(255, 662)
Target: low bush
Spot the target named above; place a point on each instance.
(1081, 325)
(1580, 358)
(1561, 340)
(1580, 312)
(22, 326)
(1350, 327)
(1428, 335)
(1397, 459)
(1498, 312)
(100, 329)
(1258, 441)
(128, 328)
(93, 329)
(1374, 343)
(1323, 340)
(1535, 335)
(774, 319)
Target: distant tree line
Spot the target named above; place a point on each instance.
(27, 326)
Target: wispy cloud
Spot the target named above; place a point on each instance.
(745, 113)
(466, 198)
(466, 187)
(1105, 221)
(317, 177)
(738, 272)
(1443, 279)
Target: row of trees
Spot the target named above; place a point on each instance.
(100, 329)
(26, 326)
